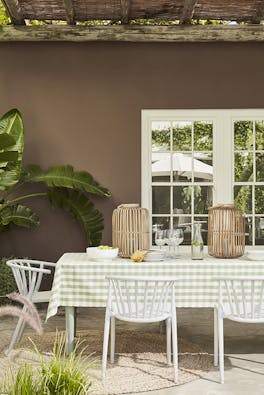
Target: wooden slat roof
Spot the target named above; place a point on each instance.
(128, 12)
(84, 10)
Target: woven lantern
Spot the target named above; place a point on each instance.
(226, 231)
(130, 229)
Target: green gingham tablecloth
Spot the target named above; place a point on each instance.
(79, 281)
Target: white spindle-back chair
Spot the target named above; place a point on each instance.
(241, 299)
(28, 275)
(141, 300)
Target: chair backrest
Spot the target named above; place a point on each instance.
(242, 297)
(28, 275)
(140, 297)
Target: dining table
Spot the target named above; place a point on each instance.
(80, 281)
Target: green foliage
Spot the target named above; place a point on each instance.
(63, 186)
(81, 209)
(11, 148)
(7, 281)
(4, 20)
(22, 382)
(64, 176)
(60, 375)
(64, 375)
(18, 215)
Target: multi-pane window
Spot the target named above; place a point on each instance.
(182, 173)
(193, 159)
(249, 176)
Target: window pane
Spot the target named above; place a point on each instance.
(259, 167)
(243, 167)
(203, 136)
(260, 135)
(204, 227)
(182, 221)
(182, 136)
(259, 223)
(243, 198)
(182, 200)
(248, 231)
(243, 135)
(203, 198)
(160, 167)
(160, 136)
(160, 200)
(259, 199)
(203, 167)
(182, 167)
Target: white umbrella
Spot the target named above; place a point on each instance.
(183, 166)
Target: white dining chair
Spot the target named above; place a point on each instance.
(141, 300)
(28, 276)
(241, 299)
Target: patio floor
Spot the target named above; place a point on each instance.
(244, 349)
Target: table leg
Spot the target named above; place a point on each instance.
(69, 318)
(215, 336)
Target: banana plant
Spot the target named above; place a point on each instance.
(62, 185)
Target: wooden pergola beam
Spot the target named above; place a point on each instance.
(135, 33)
(187, 12)
(69, 11)
(259, 16)
(14, 11)
(125, 9)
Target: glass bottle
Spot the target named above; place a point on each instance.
(197, 241)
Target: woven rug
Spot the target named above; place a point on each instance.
(140, 360)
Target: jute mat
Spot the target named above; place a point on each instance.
(140, 360)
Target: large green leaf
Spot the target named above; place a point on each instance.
(11, 148)
(6, 141)
(66, 177)
(8, 156)
(18, 215)
(83, 211)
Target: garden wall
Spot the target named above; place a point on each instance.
(82, 105)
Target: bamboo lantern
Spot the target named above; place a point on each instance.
(226, 231)
(130, 229)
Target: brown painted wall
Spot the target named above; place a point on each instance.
(81, 105)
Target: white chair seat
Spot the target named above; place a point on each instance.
(41, 297)
(134, 318)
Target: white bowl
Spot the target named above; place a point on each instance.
(255, 255)
(100, 254)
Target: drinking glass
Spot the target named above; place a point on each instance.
(170, 242)
(160, 238)
(177, 240)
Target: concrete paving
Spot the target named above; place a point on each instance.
(244, 349)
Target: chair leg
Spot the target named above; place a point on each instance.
(215, 336)
(175, 346)
(16, 335)
(112, 345)
(168, 331)
(105, 345)
(221, 346)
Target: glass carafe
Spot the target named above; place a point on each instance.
(197, 241)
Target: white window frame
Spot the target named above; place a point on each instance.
(223, 146)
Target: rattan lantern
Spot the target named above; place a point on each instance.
(130, 229)
(226, 231)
